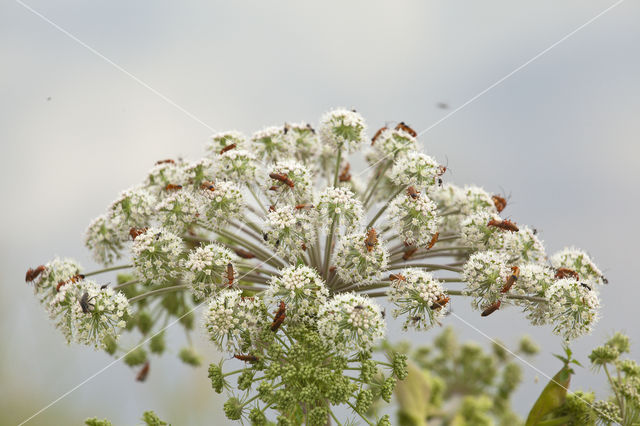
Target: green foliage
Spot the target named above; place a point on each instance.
(96, 422)
(151, 419)
(189, 356)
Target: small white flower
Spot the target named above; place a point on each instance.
(580, 262)
(340, 203)
(573, 308)
(237, 165)
(415, 169)
(304, 141)
(485, 273)
(180, 210)
(105, 239)
(351, 322)
(301, 289)
(414, 219)
(295, 174)
(290, 230)
(133, 209)
(232, 320)
(271, 145)
(524, 245)
(221, 202)
(358, 263)
(476, 233)
(343, 129)
(419, 296)
(156, 255)
(206, 269)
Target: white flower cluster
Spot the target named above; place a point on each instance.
(289, 182)
(573, 307)
(357, 262)
(222, 202)
(206, 269)
(353, 323)
(237, 165)
(485, 274)
(55, 271)
(475, 232)
(524, 245)
(221, 140)
(290, 230)
(343, 129)
(415, 169)
(157, 255)
(417, 295)
(393, 144)
(104, 238)
(165, 172)
(232, 319)
(300, 288)
(457, 204)
(180, 211)
(340, 203)
(580, 262)
(133, 209)
(87, 313)
(304, 141)
(414, 219)
(271, 145)
(200, 171)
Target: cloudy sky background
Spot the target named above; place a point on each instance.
(561, 136)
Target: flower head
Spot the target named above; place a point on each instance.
(418, 296)
(415, 169)
(156, 255)
(301, 288)
(168, 172)
(414, 219)
(220, 202)
(580, 262)
(342, 205)
(180, 211)
(105, 239)
(359, 260)
(304, 141)
(573, 308)
(485, 273)
(232, 319)
(289, 182)
(206, 268)
(524, 245)
(352, 322)
(56, 271)
(237, 165)
(393, 143)
(133, 209)
(200, 171)
(271, 145)
(222, 140)
(290, 230)
(343, 129)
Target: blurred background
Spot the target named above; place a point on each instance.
(561, 137)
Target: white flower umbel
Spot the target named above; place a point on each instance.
(270, 144)
(485, 274)
(166, 172)
(534, 280)
(133, 209)
(304, 141)
(105, 238)
(414, 294)
(573, 308)
(232, 320)
(355, 263)
(206, 269)
(200, 171)
(221, 140)
(475, 232)
(343, 130)
(448, 197)
(181, 210)
(351, 322)
(340, 203)
(392, 144)
(415, 169)
(156, 255)
(221, 202)
(580, 262)
(289, 182)
(473, 199)
(301, 289)
(237, 165)
(290, 230)
(414, 219)
(54, 272)
(95, 312)
(523, 245)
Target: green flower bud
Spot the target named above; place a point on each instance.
(620, 342)
(157, 343)
(368, 369)
(386, 391)
(217, 378)
(607, 412)
(257, 417)
(245, 379)
(384, 421)
(364, 401)
(604, 355)
(399, 366)
(151, 419)
(145, 322)
(189, 356)
(318, 416)
(137, 356)
(110, 344)
(95, 422)
(233, 408)
(528, 346)
(629, 367)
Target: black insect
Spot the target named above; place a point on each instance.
(585, 286)
(85, 303)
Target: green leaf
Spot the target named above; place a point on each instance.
(413, 394)
(553, 395)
